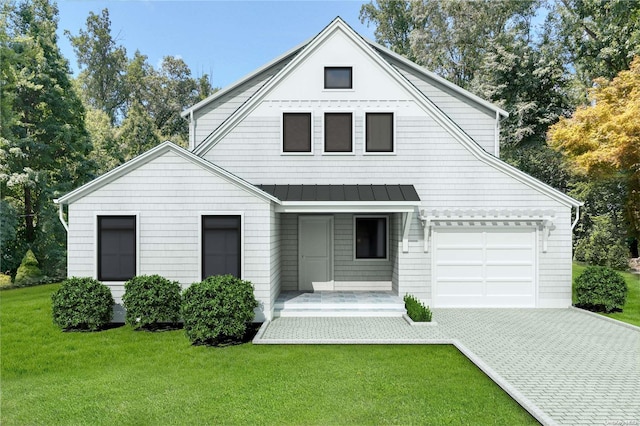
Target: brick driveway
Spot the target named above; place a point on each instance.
(564, 365)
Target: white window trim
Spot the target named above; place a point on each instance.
(355, 218)
(292, 111)
(353, 77)
(364, 133)
(242, 233)
(95, 241)
(353, 132)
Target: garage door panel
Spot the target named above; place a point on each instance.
(459, 271)
(484, 267)
(515, 255)
(454, 288)
(508, 271)
(509, 288)
(460, 255)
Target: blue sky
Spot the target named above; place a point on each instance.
(225, 39)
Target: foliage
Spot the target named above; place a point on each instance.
(603, 139)
(599, 289)
(82, 304)
(631, 309)
(28, 272)
(151, 300)
(137, 134)
(217, 309)
(416, 309)
(44, 144)
(602, 37)
(5, 280)
(104, 63)
(601, 246)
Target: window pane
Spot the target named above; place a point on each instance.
(371, 238)
(221, 248)
(296, 132)
(116, 248)
(337, 132)
(338, 78)
(380, 132)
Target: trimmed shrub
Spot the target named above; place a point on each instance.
(82, 304)
(151, 300)
(5, 280)
(600, 289)
(28, 272)
(416, 309)
(217, 310)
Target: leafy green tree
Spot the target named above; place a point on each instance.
(601, 36)
(394, 23)
(44, 145)
(104, 65)
(137, 134)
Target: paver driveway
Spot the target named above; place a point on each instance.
(564, 365)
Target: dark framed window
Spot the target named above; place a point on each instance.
(379, 132)
(116, 248)
(338, 78)
(371, 237)
(221, 246)
(338, 132)
(296, 132)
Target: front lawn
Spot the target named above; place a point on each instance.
(631, 309)
(120, 376)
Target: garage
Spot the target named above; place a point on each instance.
(484, 267)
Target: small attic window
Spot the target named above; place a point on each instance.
(338, 78)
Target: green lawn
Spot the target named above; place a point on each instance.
(119, 376)
(631, 310)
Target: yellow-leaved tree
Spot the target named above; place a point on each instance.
(603, 140)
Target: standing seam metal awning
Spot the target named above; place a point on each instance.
(348, 199)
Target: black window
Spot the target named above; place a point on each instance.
(338, 133)
(379, 132)
(116, 248)
(220, 245)
(338, 78)
(296, 132)
(371, 238)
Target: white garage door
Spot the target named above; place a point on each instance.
(487, 267)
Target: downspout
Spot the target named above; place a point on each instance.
(61, 214)
(575, 222)
(496, 142)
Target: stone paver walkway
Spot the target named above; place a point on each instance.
(563, 365)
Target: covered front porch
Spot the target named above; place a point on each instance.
(339, 249)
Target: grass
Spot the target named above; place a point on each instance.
(121, 376)
(631, 309)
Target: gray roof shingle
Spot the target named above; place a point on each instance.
(347, 193)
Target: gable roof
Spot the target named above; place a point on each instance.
(152, 154)
(422, 100)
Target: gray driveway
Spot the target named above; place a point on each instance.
(565, 366)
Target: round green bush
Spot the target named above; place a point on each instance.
(217, 309)
(28, 273)
(599, 288)
(151, 300)
(82, 304)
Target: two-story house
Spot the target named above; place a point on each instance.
(338, 166)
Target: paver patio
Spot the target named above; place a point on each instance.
(565, 366)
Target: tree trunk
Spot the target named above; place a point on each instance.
(28, 216)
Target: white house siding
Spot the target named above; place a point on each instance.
(209, 117)
(169, 194)
(276, 257)
(445, 174)
(476, 121)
